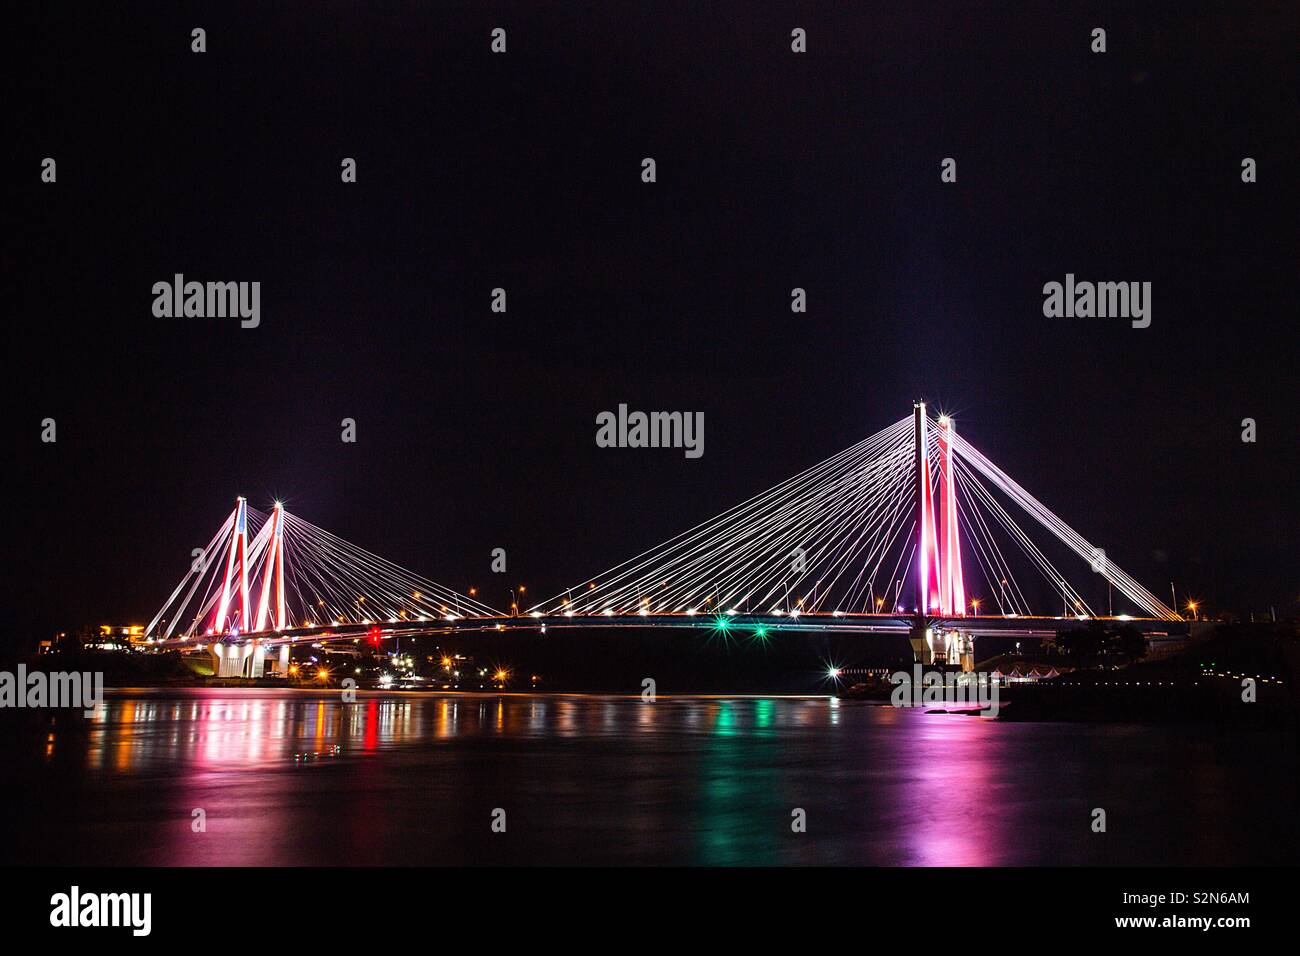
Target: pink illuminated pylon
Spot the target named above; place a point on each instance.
(238, 552)
(931, 586)
(273, 574)
(942, 585)
(952, 591)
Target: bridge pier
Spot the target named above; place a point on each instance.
(936, 645)
(965, 643)
(941, 645)
(245, 659)
(921, 638)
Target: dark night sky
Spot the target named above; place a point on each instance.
(775, 170)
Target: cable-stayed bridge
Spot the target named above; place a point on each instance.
(895, 535)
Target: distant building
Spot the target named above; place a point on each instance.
(118, 638)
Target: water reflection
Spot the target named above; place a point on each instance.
(287, 778)
(951, 767)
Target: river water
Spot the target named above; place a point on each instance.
(283, 777)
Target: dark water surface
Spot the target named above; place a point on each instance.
(290, 777)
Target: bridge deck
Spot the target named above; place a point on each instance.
(978, 626)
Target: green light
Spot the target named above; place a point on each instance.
(721, 623)
(760, 632)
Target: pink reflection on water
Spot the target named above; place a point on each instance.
(931, 808)
(289, 778)
(947, 776)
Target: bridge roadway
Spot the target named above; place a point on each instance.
(739, 624)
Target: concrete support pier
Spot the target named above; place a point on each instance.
(245, 659)
(922, 651)
(933, 645)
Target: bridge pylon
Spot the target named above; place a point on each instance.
(238, 554)
(942, 586)
(273, 574)
(952, 585)
(927, 545)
